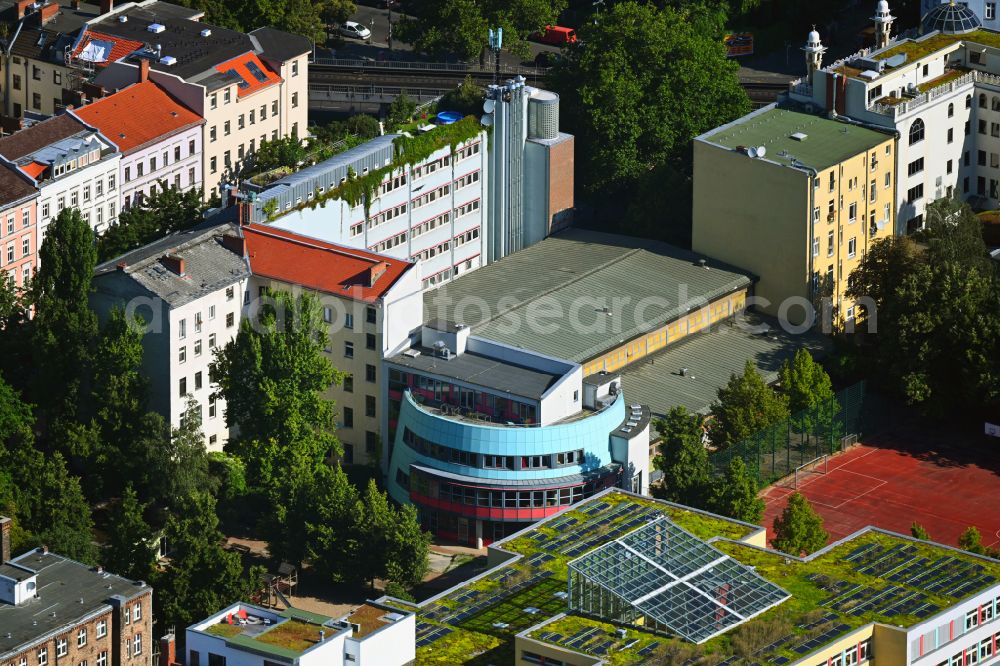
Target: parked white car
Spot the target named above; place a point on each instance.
(355, 30)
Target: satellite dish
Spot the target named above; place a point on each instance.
(761, 151)
(751, 151)
(486, 120)
(489, 105)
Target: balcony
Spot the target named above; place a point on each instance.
(947, 83)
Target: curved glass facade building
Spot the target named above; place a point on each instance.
(490, 439)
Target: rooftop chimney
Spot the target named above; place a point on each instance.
(376, 271)
(48, 12)
(168, 650)
(22, 7)
(235, 244)
(143, 70)
(5, 525)
(74, 4)
(173, 263)
(107, 6)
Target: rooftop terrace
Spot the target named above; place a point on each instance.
(872, 576)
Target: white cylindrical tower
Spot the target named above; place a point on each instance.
(883, 24)
(814, 51)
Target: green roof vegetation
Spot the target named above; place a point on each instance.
(947, 77)
(293, 635)
(821, 604)
(224, 630)
(827, 142)
(916, 49)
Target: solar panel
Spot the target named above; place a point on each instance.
(241, 82)
(673, 579)
(256, 71)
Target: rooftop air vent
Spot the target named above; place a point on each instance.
(168, 60)
(800, 136)
(123, 19)
(156, 27)
(206, 33)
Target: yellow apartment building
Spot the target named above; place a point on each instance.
(796, 198)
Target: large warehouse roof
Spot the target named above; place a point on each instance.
(551, 298)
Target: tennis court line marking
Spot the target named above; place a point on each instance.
(881, 482)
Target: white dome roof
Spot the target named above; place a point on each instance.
(883, 7)
(813, 37)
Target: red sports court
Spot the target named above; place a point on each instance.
(942, 481)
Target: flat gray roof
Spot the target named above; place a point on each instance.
(62, 583)
(579, 272)
(711, 358)
(473, 368)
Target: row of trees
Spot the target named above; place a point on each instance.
(936, 312)
(273, 376)
(74, 404)
(745, 406)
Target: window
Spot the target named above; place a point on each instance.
(211, 406)
(197, 387)
(214, 101)
(852, 247)
(111, 182)
(241, 121)
(274, 108)
(213, 164)
(212, 134)
(370, 315)
(182, 389)
(230, 320)
(152, 164)
(348, 320)
(829, 244)
(991, 11)
(816, 214)
(74, 198)
(137, 644)
(182, 355)
(348, 417)
(995, 129)
(45, 210)
(951, 135)
(263, 111)
(197, 322)
(370, 341)
(981, 155)
(951, 110)
(295, 68)
(327, 314)
(948, 166)
(348, 350)
(888, 179)
(36, 101)
(852, 212)
(227, 128)
(62, 647)
(872, 191)
(26, 246)
(43, 656)
(227, 96)
(815, 246)
(81, 637)
(349, 383)
(177, 155)
(295, 100)
(102, 659)
(182, 329)
(370, 406)
(17, 86)
(211, 340)
(369, 373)
(371, 443)
(832, 181)
(968, 101)
(227, 159)
(916, 166)
(915, 193)
(917, 131)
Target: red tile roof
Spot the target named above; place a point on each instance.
(243, 66)
(315, 264)
(122, 47)
(34, 169)
(137, 115)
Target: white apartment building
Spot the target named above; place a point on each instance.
(159, 138)
(431, 212)
(940, 92)
(372, 634)
(248, 87)
(72, 165)
(190, 288)
(371, 303)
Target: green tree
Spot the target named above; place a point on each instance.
(167, 211)
(408, 548)
(466, 99)
(181, 463)
(745, 406)
(810, 395)
(971, 540)
(334, 543)
(799, 529)
(735, 494)
(401, 110)
(633, 93)
(273, 376)
(918, 532)
(391, 544)
(202, 577)
(336, 11)
(64, 326)
(14, 332)
(363, 126)
(129, 551)
(682, 458)
(283, 152)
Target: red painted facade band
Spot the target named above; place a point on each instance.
(486, 512)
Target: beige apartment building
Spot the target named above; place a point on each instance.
(797, 199)
(371, 302)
